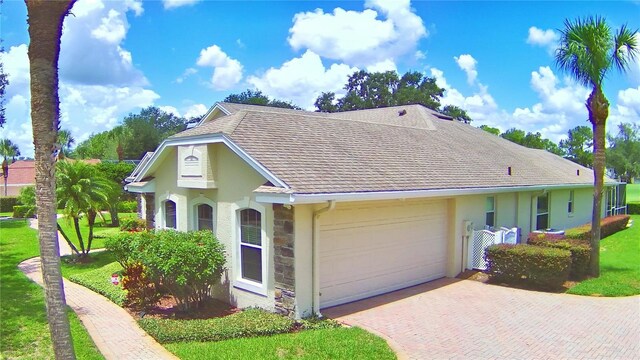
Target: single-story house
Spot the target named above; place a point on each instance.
(319, 209)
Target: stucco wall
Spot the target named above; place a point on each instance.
(235, 181)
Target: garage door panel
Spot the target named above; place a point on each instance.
(366, 251)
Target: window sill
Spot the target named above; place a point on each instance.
(250, 286)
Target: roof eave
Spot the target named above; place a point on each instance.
(294, 198)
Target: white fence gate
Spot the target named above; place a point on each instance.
(482, 239)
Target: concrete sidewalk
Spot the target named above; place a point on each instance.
(115, 333)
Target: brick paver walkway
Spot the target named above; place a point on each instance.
(463, 319)
(115, 333)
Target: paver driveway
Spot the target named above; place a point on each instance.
(464, 319)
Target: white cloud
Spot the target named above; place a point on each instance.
(187, 73)
(467, 63)
(545, 38)
(226, 71)
(382, 66)
(91, 51)
(195, 110)
(169, 110)
(172, 4)
(301, 80)
(384, 30)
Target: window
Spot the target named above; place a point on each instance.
(570, 203)
(170, 214)
(251, 245)
(542, 212)
(490, 211)
(205, 217)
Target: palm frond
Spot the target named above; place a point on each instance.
(626, 48)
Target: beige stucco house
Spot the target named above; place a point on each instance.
(321, 209)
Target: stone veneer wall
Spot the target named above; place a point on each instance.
(150, 201)
(283, 241)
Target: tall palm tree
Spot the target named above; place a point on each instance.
(65, 140)
(8, 149)
(589, 51)
(81, 191)
(45, 20)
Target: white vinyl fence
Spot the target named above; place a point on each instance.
(482, 239)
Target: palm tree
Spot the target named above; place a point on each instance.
(588, 51)
(8, 149)
(45, 20)
(65, 140)
(81, 192)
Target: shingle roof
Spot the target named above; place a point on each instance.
(380, 150)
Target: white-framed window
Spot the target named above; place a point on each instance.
(205, 217)
(570, 204)
(170, 214)
(542, 212)
(490, 211)
(250, 253)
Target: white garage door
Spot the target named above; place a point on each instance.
(370, 249)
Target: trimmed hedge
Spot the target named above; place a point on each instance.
(23, 211)
(8, 202)
(608, 226)
(128, 206)
(633, 208)
(535, 266)
(248, 323)
(580, 251)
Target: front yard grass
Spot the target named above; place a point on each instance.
(101, 229)
(338, 343)
(24, 332)
(633, 192)
(619, 265)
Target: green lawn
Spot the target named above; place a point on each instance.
(101, 230)
(6, 213)
(633, 193)
(338, 343)
(619, 265)
(24, 332)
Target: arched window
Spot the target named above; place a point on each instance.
(170, 214)
(251, 245)
(205, 217)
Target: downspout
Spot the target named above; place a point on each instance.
(315, 262)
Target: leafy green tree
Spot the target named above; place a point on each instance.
(81, 191)
(8, 150)
(456, 113)
(532, 140)
(256, 97)
(65, 140)
(623, 154)
(116, 172)
(367, 90)
(97, 146)
(491, 130)
(146, 130)
(589, 51)
(578, 145)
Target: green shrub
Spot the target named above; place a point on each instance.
(22, 211)
(608, 226)
(534, 266)
(99, 280)
(187, 264)
(126, 246)
(248, 323)
(7, 203)
(27, 198)
(633, 208)
(128, 206)
(142, 293)
(133, 224)
(580, 251)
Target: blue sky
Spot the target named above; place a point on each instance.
(493, 58)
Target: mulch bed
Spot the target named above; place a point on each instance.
(477, 275)
(166, 308)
